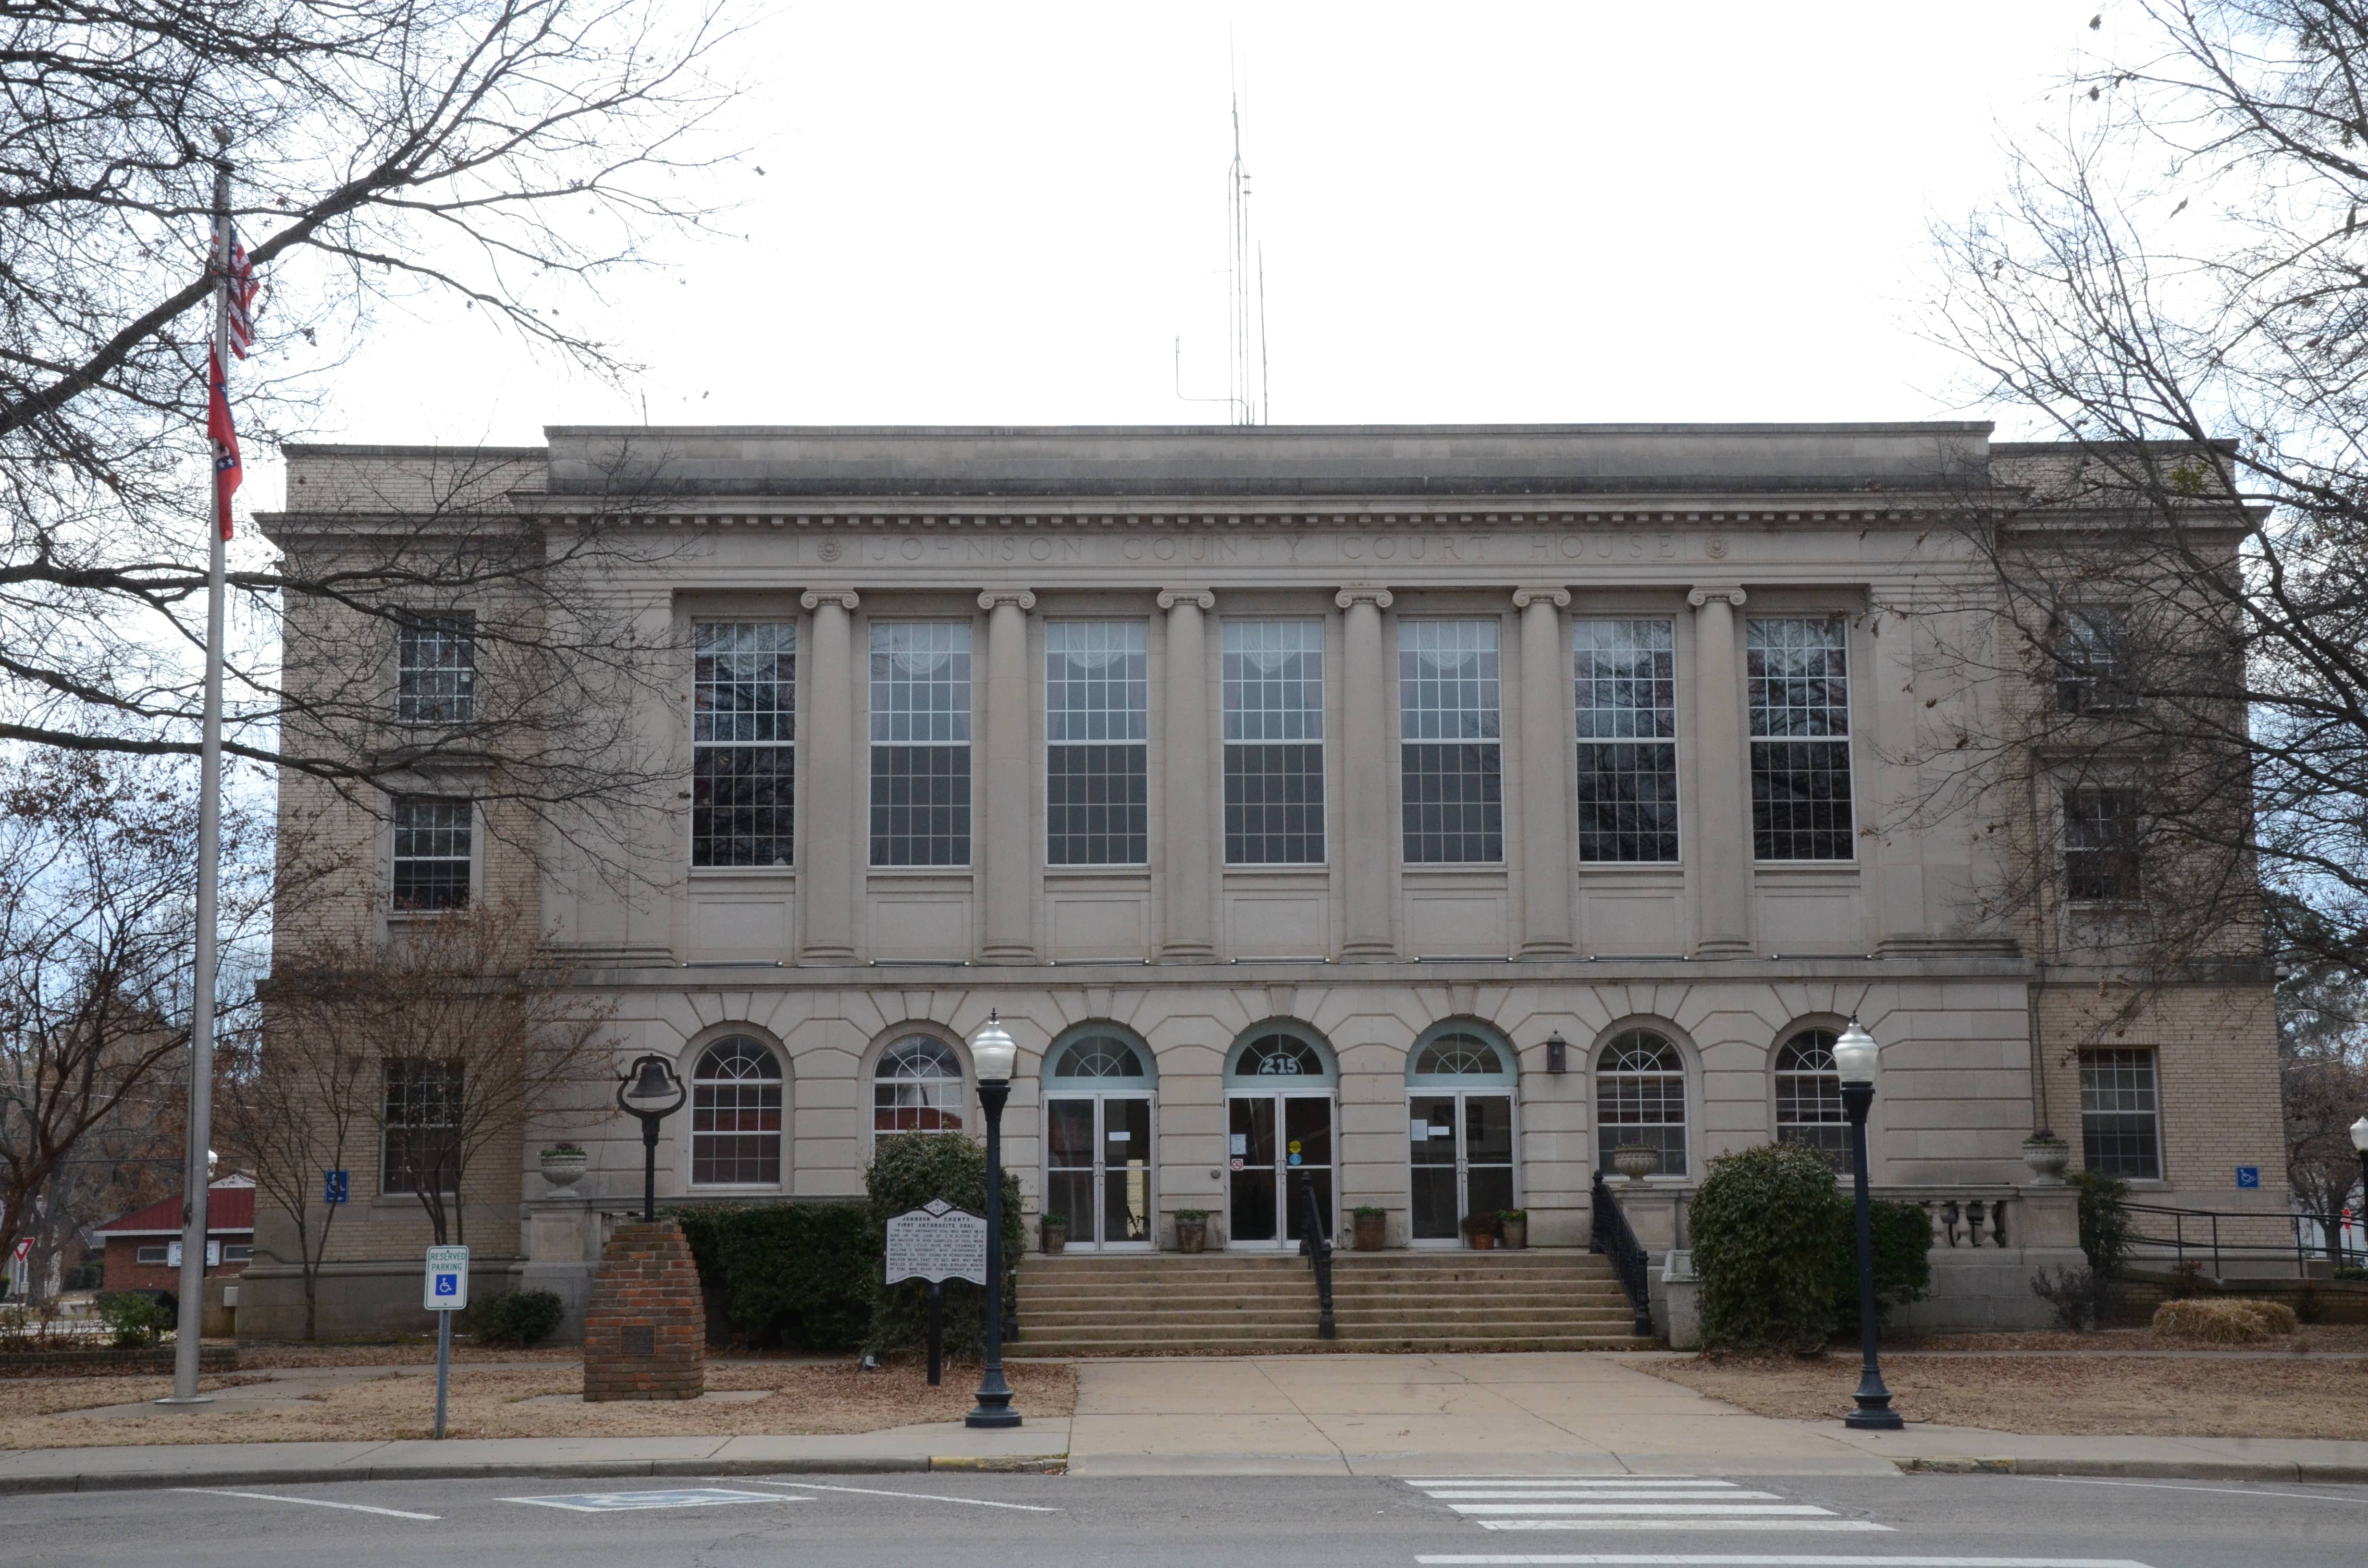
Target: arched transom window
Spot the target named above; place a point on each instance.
(1099, 1061)
(1809, 1097)
(1277, 1055)
(735, 1116)
(1458, 1056)
(918, 1087)
(1640, 1098)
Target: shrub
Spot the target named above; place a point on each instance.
(794, 1275)
(2108, 1233)
(908, 1171)
(518, 1317)
(1901, 1233)
(2078, 1295)
(1766, 1224)
(2187, 1279)
(135, 1317)
(2310, 1306)
(2223, 1321)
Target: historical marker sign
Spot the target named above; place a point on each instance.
(937, 1242)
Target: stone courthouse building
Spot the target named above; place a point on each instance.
(1417, 813)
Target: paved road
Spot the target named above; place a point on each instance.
(1019, 1521)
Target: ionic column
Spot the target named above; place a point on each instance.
(1369, 857)
(1185, 834)
(827, 856)
(1722, 847)
(1007, 845)
(1547, 755)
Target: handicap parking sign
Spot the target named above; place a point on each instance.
(2249, 1175)
(447, 1280)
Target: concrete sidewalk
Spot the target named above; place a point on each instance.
(1338, 1415)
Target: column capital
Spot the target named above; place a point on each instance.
(1364, 594)
(1523, 597)
(1732, 595)
(845, 598)
(1200, 598)
(990, 598)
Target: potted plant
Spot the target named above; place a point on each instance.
(1372, 1227)
(1480, 1231)
(563, 1163)
(1191, 1229)
(1514, 1223)
(2047, 1155)
(1635, 1160)
(1052, 1231)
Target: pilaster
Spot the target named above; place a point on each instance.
(1007, 851)
(1369, 857)
(1721, 853)
(1547, 755)
(827, 855)
(1187, 866)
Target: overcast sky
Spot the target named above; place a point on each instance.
(1007, 213)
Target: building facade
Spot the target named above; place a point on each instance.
(1413, 814)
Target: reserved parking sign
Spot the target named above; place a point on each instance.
(447, 1280)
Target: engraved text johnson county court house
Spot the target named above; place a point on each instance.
(1413, 814)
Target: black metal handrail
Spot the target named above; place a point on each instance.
(2198, 1231)
(1316, 1248)
(1612, 1238)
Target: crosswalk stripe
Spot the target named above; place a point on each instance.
(1754, 1559)
(1690, 1495)
(1689, 1527)
(1600, 1478)
(1665, 1509)
(1588, 1484)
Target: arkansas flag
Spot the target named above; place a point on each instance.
(227, 469)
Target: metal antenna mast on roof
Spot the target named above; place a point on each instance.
(1246, 355)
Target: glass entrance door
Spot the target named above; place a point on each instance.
(1098, 1167)
(1278, 1144)
(1459, 1147)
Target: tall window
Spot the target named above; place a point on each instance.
(1096, 692)
(735, 1116)
(2102, 834)
(2091, 658)
(920, 744)
(1640, 1098)
(1452, 767)
(1274, 743)
(743, 727)
(432, 835)
(1799, 677)
(1809, 1097)
(2120, 1129)
(1627, 690)
(421, 1124)
(918, 1087)
(436, 667)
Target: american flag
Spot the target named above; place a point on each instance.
(242, 298)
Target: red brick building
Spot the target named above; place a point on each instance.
(143, 1247)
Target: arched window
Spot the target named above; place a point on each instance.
(1098, 1062)
(1809, 1097)
(1274, 1054)
(918, 1087)
(735, 1116)
(1640, 1098)
(1458, 1056)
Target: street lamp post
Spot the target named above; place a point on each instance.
(993, 1053)
(650, 1090)
(2360, 1145)
(1857, 1056)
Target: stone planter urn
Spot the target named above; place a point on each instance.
(1635, 1161)
(1191, 1229)
(1372, 1229)
(1515, 1224)
(1053, 1234)
(2047, 1155)
(564, 1165)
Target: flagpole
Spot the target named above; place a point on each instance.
(195, 1177)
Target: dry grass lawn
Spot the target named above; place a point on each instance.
(2149, 1396)
(798, 1398)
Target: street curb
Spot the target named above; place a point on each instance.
(2147, 1469)
(140, 1480)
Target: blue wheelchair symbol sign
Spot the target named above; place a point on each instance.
(334, 1186)
(2249, 1175)
(447, 1284)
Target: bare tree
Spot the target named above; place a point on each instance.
(511, 154)
(96, 867)
(440, 1039)
(2323, 1058)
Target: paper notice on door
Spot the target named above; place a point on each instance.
(1442, 1130)
(1120, 1136)
(1418, 1131)
(1241, 1146)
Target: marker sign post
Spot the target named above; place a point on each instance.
(937, 1243)
(447, 1292)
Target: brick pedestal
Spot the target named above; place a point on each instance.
(646, 1332)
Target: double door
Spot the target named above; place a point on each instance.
(1459, 1146)
(1278, 1146)
(1098, 1167)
